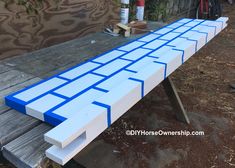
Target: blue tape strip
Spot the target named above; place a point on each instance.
(164, 39)
(18, 105)
(142, 85)
(202, 33)
(108, 107)
(212, 27)
(165, 70)
(97, 74)
(182, 54)
(101, 89)
(60, 77)
(222, 25)
(152, 56)
(96, 62)
(53, 119)
(130, 70)
(59, 95)
(196, 41)
(125, 59)
(170, 45)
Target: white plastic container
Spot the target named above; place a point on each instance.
(140, 10)
(125, 11)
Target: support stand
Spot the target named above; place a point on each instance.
(174, 98)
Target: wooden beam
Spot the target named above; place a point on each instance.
(28, 150)
(174, 98)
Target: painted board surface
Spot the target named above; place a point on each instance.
(86, 99)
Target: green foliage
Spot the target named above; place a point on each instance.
(156, 9)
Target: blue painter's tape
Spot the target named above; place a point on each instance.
(165, 70)
(60, 77)
(16, 104)
(202, 33)
(212, 27)
(98, 74)
(59, 95)
(151, 56)
(170, 45)
(196, 46)
(96, 62)
(142, 85)
(128, 70)
(222, 25)
(165, 39)
(196, 41)
(53, 118)
(101, 89)
(125, 59)
(182, 58)
(108, 107)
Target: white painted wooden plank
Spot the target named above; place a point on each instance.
(163, 30)
(80, 70)
(63, 155)
(189, 48)
(78, 85)
(191, 24)
(200, 37)
(136, 54)
(170, 36)
(173, 59)
(205, 29)
(121, 98)
(80, 123)
(175, 25)
(185, 20)
(131, 46)
(152, 75)
(218, 25)
(39, 89)
(177, 41)
(182, 29)
(224, 20)
(155, 44)
(160, 51)
(109, 56)
(149, 37)
(42, 105)
(115, 80)
(112, 67)
(73, 107)
(141, 63)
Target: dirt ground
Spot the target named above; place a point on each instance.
(203, 85)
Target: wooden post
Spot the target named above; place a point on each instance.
(174, 98)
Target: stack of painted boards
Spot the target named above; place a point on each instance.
(86, 99)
